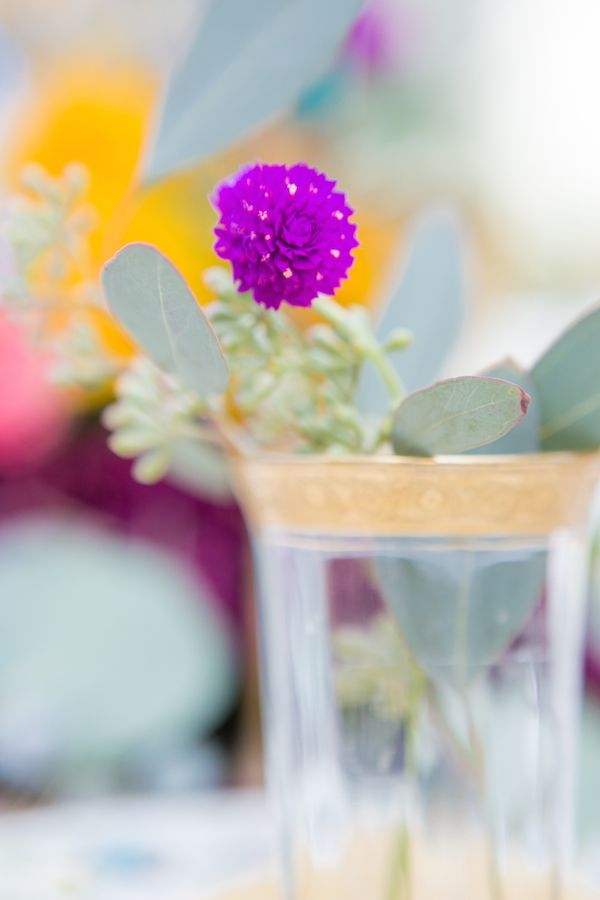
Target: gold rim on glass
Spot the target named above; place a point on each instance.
(532, 494)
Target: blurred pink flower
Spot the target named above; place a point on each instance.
(32, 412)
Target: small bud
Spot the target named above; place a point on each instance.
(130, 442)
(35, 178)
(121, 415)
(219, 280)
(325, 337)
(84, 220)
(76, 179)
(259, 387)
(398, 339)
(349, 416)
(152, 466)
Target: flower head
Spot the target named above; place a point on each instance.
(286, 232)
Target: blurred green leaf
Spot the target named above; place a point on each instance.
(459, 611)
(456, 415)
(567, 378)
(149, 297)
(428, 301)
(246, 62)
(114, 645)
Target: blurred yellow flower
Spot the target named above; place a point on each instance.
(87, 112)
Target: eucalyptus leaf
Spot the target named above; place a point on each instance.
(246, 62)
(456, 415)
(524, 437)
(459, 611)
(152, 301)
(428, 300)
(567, 378)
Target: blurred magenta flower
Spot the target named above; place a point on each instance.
(83, 475)
(592, 670)
(383, 38)
(286, 232)
(32, 413)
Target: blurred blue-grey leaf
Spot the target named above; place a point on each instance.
(567, 378)
(109, 649)
(460, 612)
(246, 62)
(429, 301)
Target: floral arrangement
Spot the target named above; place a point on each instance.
(256, 368)
(251, 366)
(289, 237)
(276, 363)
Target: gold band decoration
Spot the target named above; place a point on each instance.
(392, 495)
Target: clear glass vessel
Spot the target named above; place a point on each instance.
(421, 628)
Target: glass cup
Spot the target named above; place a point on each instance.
(421, 628)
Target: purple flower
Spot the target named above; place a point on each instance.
(286, 232)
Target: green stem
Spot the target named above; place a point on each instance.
(399, 883)
(387, 373)
(478, 755)
(462, 757)
(358, 335)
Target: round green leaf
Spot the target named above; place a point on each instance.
(457, 414)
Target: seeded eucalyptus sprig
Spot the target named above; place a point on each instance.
(47, 282)
(297, 386)
(152, 415)
(290, 388)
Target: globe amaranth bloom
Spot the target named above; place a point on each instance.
(286, 232)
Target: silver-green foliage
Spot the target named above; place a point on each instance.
(564, 385)
(152, 415)
(567, 378)
(427, 297)
(154, 304)
(246, 62)
(460, 610)
(456, 415)
(45, 275)
(292, 387)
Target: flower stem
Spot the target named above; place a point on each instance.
(353, 329)
(399, 883)
(388, 374)
(478, 754)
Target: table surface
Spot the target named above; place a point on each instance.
(216, 847)
(136, 849)
(207, 847)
